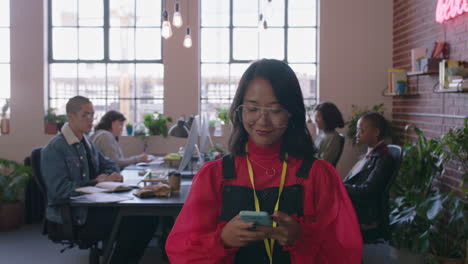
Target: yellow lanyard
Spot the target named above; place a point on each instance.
(268, 244)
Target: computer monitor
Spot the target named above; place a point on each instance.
(191, 144)
(204, 133)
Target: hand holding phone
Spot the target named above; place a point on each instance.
(258, 218)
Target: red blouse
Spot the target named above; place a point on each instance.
(330, 230)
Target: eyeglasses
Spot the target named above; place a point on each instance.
(89, 116)
(278, 116)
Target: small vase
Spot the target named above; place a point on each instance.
(51, 129)
(401, 88)
(129, 130)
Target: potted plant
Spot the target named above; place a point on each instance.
(61, 120)
(129, 128)
(223, 115)
(356, 114)
(424, 219)
(401, 86)
(13, 180)
(156, 123)
(5, 122)
(141, 132)
(50, 121)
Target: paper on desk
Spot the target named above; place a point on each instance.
(100, 198)
(152, 160)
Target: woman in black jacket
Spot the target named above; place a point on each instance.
(367, 183)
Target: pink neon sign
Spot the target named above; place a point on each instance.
(447, 9)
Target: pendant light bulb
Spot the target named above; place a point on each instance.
(166, 30)
(177, 17)
(260, 21)
(188, 39)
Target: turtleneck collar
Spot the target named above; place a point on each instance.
(265, 152)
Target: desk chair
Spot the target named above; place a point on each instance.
(66, 233)
(396, 153)
(342, 141)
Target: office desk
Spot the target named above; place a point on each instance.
(169, 206)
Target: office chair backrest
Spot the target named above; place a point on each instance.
(36, 167)
(342, 141)
(396, 153)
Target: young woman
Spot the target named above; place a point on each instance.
(106, 136)
(326, 118)
(271, 168)
(366, 184)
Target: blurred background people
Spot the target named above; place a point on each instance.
(106, 137)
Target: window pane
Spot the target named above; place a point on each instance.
(245, 13)
(148, 43)
(63, 80)
(245, 43)
(215, 79)
(122, 13)
(92, 82)
(209, 106)
(120, 80)
(272, 43)
(91, 13)
(65, 43)
(215, 45)
(150, 80)
(59, 104)
(124, 106)
(302, 45)
(307, 75)
(5, 45)
(91, 43)
(273, 12)
(4, 13)
(148, 13)
(302, 13)
(5, 77)
(100, 108)
(148, 106)
(215, 13)
(236, 71)
(122, 44)
(64, 12)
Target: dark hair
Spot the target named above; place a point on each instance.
(297, 141)
(378, 121)
(107, 119)
(75, 103)
(331, 116)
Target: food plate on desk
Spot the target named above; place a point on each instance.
(154, 190)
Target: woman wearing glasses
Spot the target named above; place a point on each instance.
(271, 168)
(106, 136)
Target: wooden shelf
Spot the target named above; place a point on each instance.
(403, 94)
(451, 90)
(421, 73)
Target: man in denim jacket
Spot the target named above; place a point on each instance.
(70, 161)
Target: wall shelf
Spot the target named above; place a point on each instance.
(451, 90)
(403, 94)
(421, 73)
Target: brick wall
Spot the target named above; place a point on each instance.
(414, 26)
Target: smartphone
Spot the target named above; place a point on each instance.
(259, 218)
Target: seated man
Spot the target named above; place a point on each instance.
(70, 161)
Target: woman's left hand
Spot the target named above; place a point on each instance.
(288, 230)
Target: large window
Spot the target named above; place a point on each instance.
(4, 53)
(109, 51)
(233, 34)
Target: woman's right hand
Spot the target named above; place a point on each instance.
(143, 157)
(237, 233)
